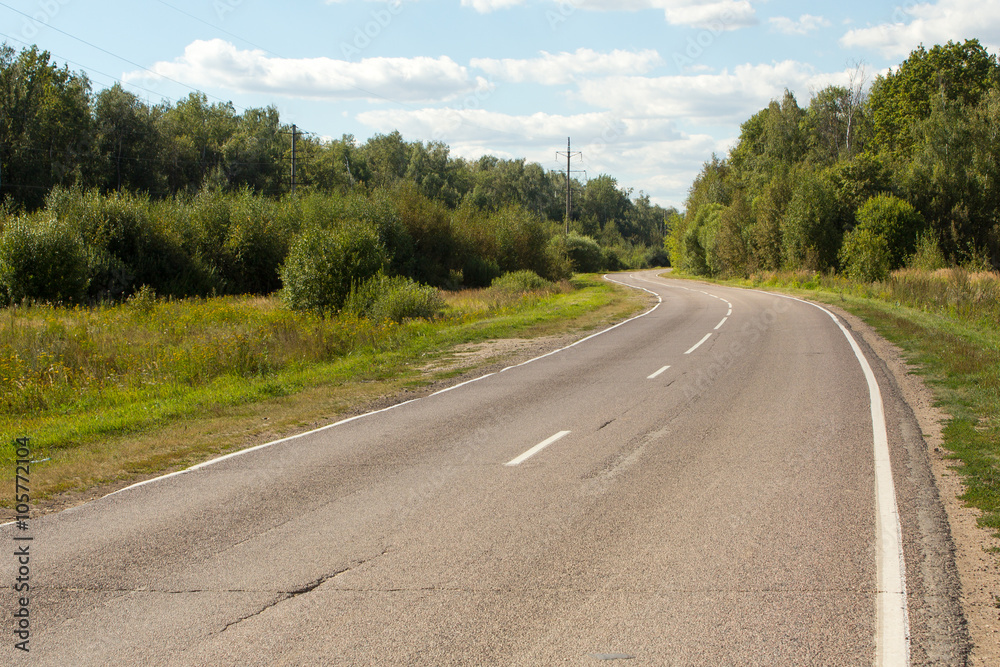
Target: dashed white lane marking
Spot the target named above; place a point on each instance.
(719, 325)
(537, 448)
(700, 343)
(658, 373)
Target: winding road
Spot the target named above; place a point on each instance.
(705, 484)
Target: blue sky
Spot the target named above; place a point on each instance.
(647, 89)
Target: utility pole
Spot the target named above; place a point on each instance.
(293, 157)
(569, 193)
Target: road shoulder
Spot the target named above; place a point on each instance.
(975, 549)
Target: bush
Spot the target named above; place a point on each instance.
(927, 255)
(865, 255)
(324, 264)
(896, 221)
(520, 281)
(584, 252)
(42, 259)
(396, 298)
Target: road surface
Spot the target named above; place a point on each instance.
(696, 486)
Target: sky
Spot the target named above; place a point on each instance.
(647, 90)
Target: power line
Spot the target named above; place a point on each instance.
(115, 55)
(215, 27)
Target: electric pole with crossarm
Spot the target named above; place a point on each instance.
(569, 193)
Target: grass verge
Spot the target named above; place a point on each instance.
(947, 323)
(112, 394)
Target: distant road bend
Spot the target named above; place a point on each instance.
(730, 478)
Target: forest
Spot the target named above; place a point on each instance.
(863, 181)
(102, 194)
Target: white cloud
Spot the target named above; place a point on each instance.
(217, 63)
(715, 14)
(727, 97)
(487, 6)
(806, 24)
(930, 23)
(723, 15)
(558, 68)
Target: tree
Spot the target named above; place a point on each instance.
(954, 72)
(45, 128)
(126, 141)
(811, 226)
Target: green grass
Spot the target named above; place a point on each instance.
(947, 322)
(87, 385)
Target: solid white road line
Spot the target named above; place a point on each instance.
(537, 448)
(445, 391)
(658, 373)
(892, 635)
(700, 343)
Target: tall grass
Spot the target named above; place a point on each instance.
(69, 374)
(968, 296)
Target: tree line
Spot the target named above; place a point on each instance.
(862, 180)
(194, 180)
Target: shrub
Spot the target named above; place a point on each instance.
(896, 221)
(584, 252)
(42, 259)
(396, 298)
(520, 281)
(927, 255)
(865, 255)
(324, 264)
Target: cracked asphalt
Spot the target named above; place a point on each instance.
(719, 511)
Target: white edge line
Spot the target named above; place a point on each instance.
(461, 384)
(699, 343)
(537, 448)
(892, 639)
(724, 320)
(265, 445)
(658, 373)
(659, 302)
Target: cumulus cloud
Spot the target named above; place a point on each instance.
(560, 68)
(806, 24)
(930, 23)
(487, 6)
(217, 63)
(716, 14)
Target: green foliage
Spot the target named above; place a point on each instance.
(866, 255)
(584, 253)
(323, 265)
(810, 228)
(954, 72)
(927, 255)
(520, 281)
(41, 260)
(393, 298)
(896, 221)
(699, 240)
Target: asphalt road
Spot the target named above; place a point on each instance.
(695, 504)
